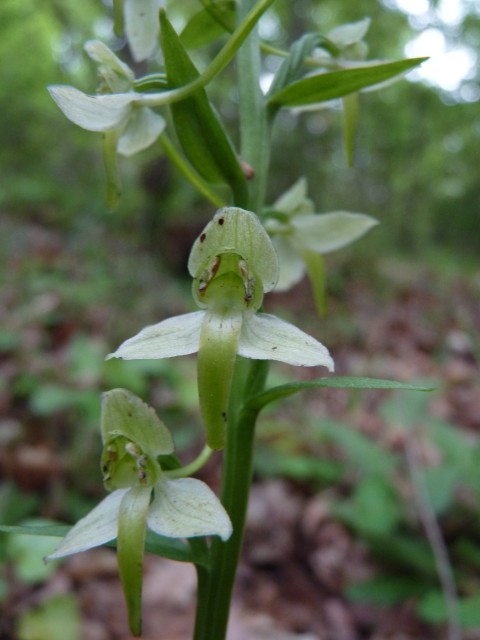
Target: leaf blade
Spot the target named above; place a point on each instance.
(336, 84)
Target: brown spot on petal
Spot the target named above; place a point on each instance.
(202, 237)
(221, 221)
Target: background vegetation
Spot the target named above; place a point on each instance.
(403, 303)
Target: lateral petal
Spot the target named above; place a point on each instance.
(93, 113)
(266, 337)
(141, 132)
(177, 336)
(186, 508)
(96, 528)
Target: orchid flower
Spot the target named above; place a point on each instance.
(118, 109)
(128, 126)
(233, 264)
(301, 236)
(133, 437)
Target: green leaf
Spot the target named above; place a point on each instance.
(55, 530)
(199, 130)
(256, 403)
(206, 26)
(169, 548)
(293, 63)
(336, 84)
(172, 549)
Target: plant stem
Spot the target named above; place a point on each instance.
(178, 161)
(254, 127)
(215, 67)
(213, 611)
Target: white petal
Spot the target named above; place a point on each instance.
(177, 336)
(142, 130)
(186, 508)
(100, 53)
(351, 33)
(96, 528)
(142, 26)
(291, 199)
(266, 337)
(292, 266)
(330, 231)
(94, 113)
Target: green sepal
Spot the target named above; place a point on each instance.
(350, 121)
(124, 414)
(216, 360)
(261, 400)
(130, 551)
(315, 265)
(199, 130)
(208, 24)
(336, 84)
(235, 230)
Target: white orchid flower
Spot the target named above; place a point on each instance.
(233, 264)
(133, 438)
(300, 236)
(121, 112)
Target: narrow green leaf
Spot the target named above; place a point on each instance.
(199, 130)
(256, 403)
(291, 66)
(169, 548)
(219, 12)
(336, 84)
(56, 531)
(205, 26)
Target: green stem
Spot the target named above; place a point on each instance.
(212, 623)
(254, 127)
(185, 169)
(194, 466)
(225, 56)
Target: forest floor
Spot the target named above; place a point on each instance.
(303, 556)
